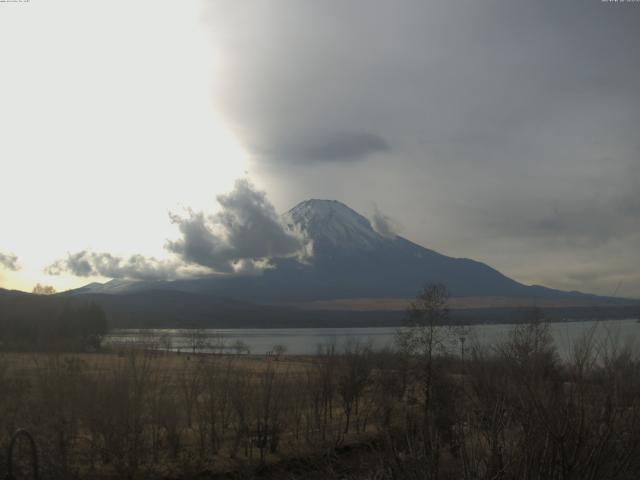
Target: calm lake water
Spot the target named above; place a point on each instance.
(305, 341)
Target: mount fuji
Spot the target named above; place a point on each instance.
(350, 260)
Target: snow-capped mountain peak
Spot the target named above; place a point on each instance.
(347, 259)
(329, 223)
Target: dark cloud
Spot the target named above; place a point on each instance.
(135, 267)
(9, 261)
(497, 83)
(527, 111)
(247, 229)
(327, 147)
(243, 237)
(602, 211)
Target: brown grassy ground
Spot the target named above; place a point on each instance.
(34, 368)
(401, 304)
(27, 363)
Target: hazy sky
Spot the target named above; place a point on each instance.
(505, 131)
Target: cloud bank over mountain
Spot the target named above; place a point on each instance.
(135, 267)
(242, 237)
(318, 146)
(506, 129)
(246, 229)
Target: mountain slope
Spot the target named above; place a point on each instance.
(330, 224)
(350, 260)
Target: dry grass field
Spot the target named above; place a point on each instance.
(401, 304)
(132, 413)
(511, 412)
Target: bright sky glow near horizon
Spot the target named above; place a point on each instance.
(503, 130)
(107, 123)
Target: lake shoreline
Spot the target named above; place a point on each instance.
(305, 341)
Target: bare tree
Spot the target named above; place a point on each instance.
(197, 339)
(353, 378)
(279, 350)
(215, 406)
(190, 382)
(427, 331)
(240, 347)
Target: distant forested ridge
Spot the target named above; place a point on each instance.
(46, 322)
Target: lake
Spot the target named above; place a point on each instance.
(305, 341)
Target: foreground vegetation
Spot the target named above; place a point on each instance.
(511, 412)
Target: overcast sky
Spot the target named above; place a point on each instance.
(504, 131)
